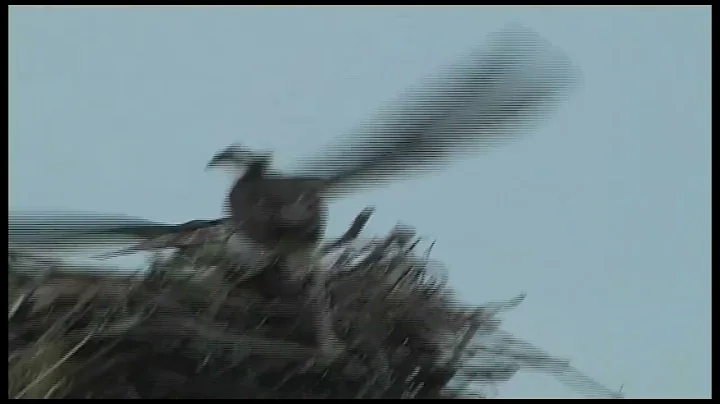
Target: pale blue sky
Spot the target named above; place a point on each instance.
(602, 216)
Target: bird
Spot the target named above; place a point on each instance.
(494, 94)
(483, 100)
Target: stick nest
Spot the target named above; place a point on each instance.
(203, 331)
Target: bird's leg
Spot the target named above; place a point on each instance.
(305, 263)
(330, 345)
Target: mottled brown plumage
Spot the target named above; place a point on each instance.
(287, 217)
(275, 210)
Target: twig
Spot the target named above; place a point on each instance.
(353, 232)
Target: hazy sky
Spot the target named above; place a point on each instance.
(602, 216)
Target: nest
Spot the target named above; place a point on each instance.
(207, 331)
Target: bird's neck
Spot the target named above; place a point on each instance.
(255, 171)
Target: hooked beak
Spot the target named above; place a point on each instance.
(222, 159)
(215, 162)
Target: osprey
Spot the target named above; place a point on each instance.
(492, 95)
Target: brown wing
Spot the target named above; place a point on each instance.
(218, 233)
(495, 94)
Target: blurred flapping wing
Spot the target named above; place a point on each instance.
(492, 95)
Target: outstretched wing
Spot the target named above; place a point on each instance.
(491, 96)
(68, 232)
(193, 234)
(59, 233)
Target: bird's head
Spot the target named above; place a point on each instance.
(240, 161)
